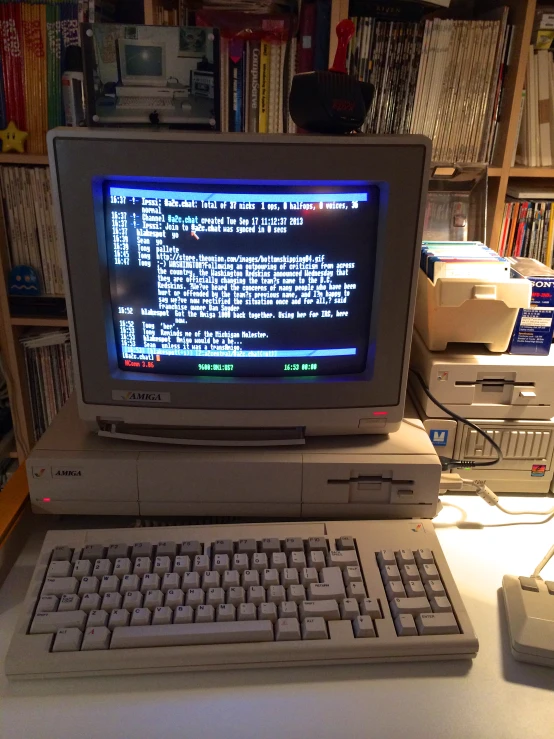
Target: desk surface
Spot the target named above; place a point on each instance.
(494, 696)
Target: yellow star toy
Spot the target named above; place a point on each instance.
(13, 139)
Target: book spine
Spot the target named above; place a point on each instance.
(254, 83)
(274, 66)
(264, 88)
(306, 35)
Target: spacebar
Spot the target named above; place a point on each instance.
(175, 635)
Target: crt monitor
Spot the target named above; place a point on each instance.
(142, 62)
(247, 288)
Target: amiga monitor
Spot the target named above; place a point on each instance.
(239, 289)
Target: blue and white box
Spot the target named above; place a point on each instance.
(534, 327)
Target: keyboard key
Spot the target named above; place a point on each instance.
(370, 607)
(424, 557)
(59, 569)
(162, 565)
(436, 623)
(342, 558)
(395, 589)
(287, 629)
(210, 579)
(221, 562)
(102, 567)
(48, 603)
(97, 637)
(276, 594)
(268, 612)
(191, 548)
(129, 582)
(143, 566)
(118, 617)
(363, 627)
(88, 585)
(49, 623)
(92, 552)
(190, 580)
(183, 615)
(247, 612)
(215, 596)
(161, 615)
(409, 572)
(345, 542)
(82, 568)
(410, 605)
(109, 584)
(61, 554)
(434, 588)
(231, 579)
(223, 546)
(324, 591)
(256, 595)
(296, 593)
(356, 590)
(226, 612)
(259, 562)
(68, 640)
(201, 564)
(250, 577)
(386, 557)
(415, 589)
(171, 581)
(111, 601)
(142, 549)
(317, 560)
(327, 609)
(293, 544)
(153, 599)
(278, 561)
(349, 609)
(236, 596)
(167, 549)
(118, 551)
(174, 598)
(405, 557)
(389, 573)
(90, 602)
(122, 566)
(195, 597)
(405, 625)
(429, 572)
(140, 617)
(174, 635)
(270, 577)
(270, 545)
(182, 564)
(297, 560)
(69, 603)
(314, 628)
(288, 610)
(333, 576)
(309, 575)
(132, 600)
(440, 604)
(150, 581)
(97, 618)
(241, 562)
(289, 576)
(352, 573)
(62, 585)
(317, 544)
(247, 546)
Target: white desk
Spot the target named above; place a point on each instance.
(493, 697)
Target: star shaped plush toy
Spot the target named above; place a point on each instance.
(13, 139)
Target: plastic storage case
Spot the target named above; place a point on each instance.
(468, 310)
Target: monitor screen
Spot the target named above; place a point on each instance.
(143, 61)
(243, 279)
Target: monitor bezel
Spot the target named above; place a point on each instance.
(401, 163)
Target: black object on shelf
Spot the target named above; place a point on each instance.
(37, 307)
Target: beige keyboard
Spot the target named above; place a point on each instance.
(191, 598)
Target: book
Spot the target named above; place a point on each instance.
(264, 88)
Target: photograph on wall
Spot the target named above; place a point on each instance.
(151, 76)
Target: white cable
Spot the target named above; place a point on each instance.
(484, 492)
(525, 513)
(543, 562)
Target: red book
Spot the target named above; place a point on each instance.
(306, 37)
(12, 61)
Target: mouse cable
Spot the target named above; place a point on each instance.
(451, 464)
(544, 561)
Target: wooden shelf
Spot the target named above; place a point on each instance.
(47, 322)
(532, 172)
(23, 159)
(494, 171)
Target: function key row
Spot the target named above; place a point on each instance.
(191, 548)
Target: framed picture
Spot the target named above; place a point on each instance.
(192, 41)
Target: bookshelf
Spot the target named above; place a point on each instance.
(500, 171)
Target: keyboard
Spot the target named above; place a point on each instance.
(122, 601)
(147, 103)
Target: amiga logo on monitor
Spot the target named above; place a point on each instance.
(251, 283)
